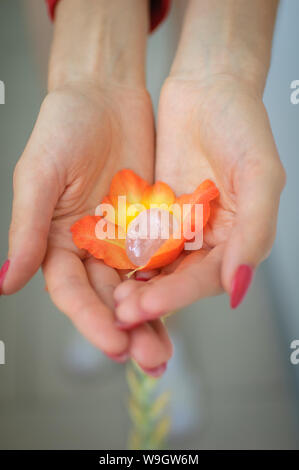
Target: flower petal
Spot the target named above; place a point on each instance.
(127, 183)
(137, 191)
(203, 194)
(170, 250)
(157, 194)
(111, 251)
(166, 254)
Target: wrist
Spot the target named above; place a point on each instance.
(220, 63)
(229, 38)
(100, 42)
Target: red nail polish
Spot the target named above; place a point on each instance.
(125, 326)
(3, 272)
(240, 284)
(156, 371)
(121, 358)
(145, 275)
(141, 277)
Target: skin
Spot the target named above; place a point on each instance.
(84, 134)
(210, 109)
(225, 141)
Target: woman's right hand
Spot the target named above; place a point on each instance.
(88, 128)
(83, 135)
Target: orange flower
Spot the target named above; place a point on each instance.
(139, 196)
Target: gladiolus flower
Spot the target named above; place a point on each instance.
(134, 204)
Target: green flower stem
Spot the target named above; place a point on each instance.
(147, 409)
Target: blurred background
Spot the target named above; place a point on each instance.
(232, 381)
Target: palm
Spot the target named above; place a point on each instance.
(212, 133)
(218, 131)
(82, 137)
(88, 135)
(95, 136)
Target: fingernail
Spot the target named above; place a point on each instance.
(156, 371)
(3, 272)
(125, 326)
(145, 275)
(121, 358)
(141, 277)
(240, 284)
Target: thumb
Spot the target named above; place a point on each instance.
(251, 239)
(35, 196)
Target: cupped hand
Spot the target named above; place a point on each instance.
(82, 137)
(219, 130)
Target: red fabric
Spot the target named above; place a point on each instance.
(159, 10)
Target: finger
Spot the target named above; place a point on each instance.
(72, 293)
(253, 234)
(125, 289)
(103, 279)
(35, 196)
(150, 344)
(127, 309)
(197, 277)
(151, 347)
(146, 275)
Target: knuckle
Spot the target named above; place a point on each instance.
(13, 229)
(16, 173)
(271, 169)
(278, 174)
(264, 240)
(282, 176)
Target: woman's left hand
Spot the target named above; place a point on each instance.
(217, 129)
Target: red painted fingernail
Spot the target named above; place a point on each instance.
(141, 277)
(3, 272)
(145, 275)
(240, 284)
(156, 371)
(125, 326)
(119, 357)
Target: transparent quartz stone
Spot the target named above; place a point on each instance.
(147, 233)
